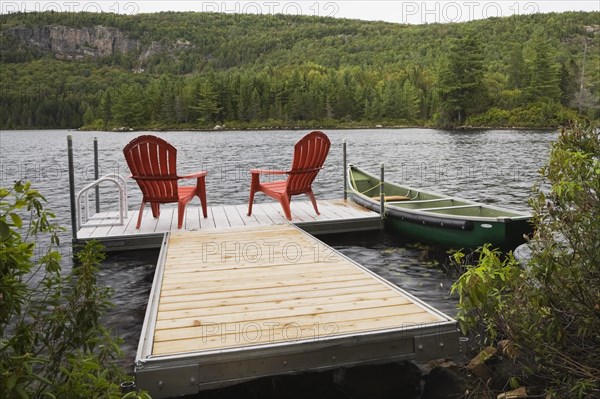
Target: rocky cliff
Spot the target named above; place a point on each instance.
(74, 43)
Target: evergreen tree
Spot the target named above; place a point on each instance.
(461, 88)
(543, 69)
(128, 107)
(207, 106)
(105, 113)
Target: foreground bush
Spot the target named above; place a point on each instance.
(52, 344)
(550, 310)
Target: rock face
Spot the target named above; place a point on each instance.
(75, 43)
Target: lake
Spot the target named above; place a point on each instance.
(490, 166)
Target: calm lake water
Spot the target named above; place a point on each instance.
(490, 166)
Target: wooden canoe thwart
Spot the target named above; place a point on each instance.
(389, 198)
(438, 218)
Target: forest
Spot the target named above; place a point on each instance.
(202, 70)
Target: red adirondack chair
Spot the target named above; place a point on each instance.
(153, 165)
(309, 155)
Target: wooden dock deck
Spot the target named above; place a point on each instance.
(233, 304)
(337, 216)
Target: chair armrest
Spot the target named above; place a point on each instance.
(268, 172)
(194, 175)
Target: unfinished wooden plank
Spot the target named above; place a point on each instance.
(184, 311)
(335, 293)
(292, 291)
(213, 255)
(259, 274)
(234, 255)
(270, 280)
(362, 317)
(325, 313)
(212, 337)
(261, 285)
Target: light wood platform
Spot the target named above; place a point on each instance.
(241, 303)
(336, 216)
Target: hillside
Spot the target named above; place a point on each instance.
(196, 70)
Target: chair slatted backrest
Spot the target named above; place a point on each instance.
(309, 156)
(153, 164)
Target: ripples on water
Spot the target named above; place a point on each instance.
(488, 166)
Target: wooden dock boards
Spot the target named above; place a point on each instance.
(237, 304)
(337, 216)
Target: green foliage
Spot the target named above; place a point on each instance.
(551, 308)
(195, 70)
(538, 114)
(52, 342)
(481, 289)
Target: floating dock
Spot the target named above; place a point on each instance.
(233, 304)
(337, 216)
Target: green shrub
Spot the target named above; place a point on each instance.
(52, 341)
(550, 309)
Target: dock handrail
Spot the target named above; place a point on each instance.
(121, 184)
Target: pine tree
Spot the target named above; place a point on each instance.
(207, 104)
(543, 70)
(461, 88)
(128, 107)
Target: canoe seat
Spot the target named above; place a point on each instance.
(393, 198)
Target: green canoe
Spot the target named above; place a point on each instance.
(438, 218)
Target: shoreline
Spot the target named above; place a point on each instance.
(292, 128)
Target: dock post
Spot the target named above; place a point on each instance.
(382, 195)
(96, 174)
(344, 169)
(72, 188)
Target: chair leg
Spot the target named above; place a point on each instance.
(285, 204)
(253, 185)
(313, 200)
(155, 209)
(180, 213)
(202, 195)
(139, 222)
(250, 202)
